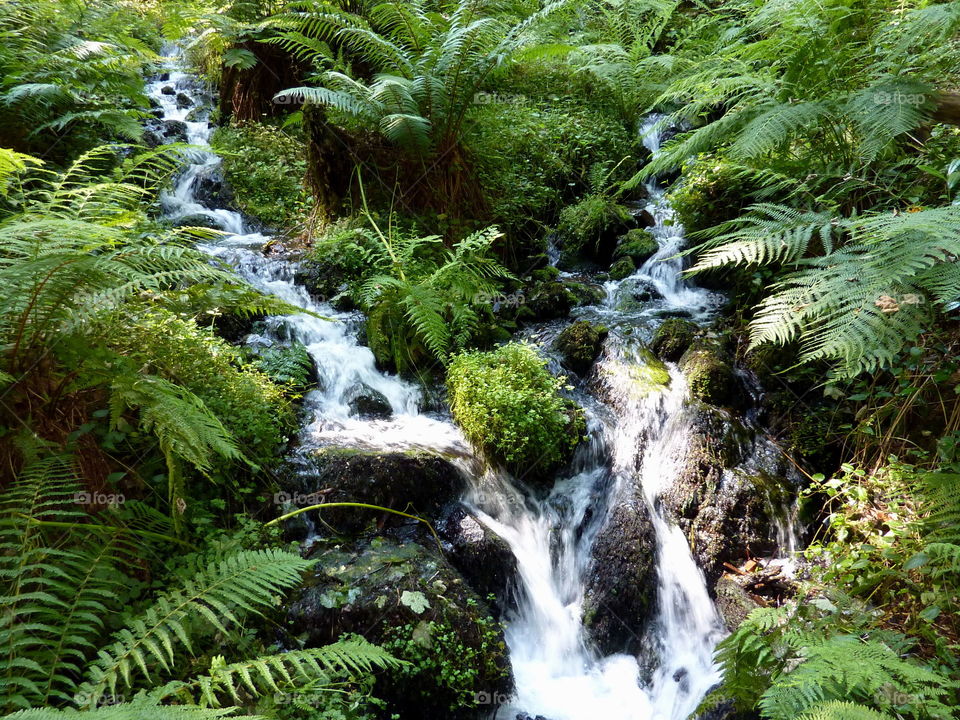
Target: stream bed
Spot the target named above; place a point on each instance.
(636, 440)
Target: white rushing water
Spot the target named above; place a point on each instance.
(633, 439)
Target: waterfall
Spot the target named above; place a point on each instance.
(633, 438)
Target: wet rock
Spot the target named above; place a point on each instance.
(547, 301)
(417, 483)
(404, 595)
(644, 291)
(622, 268)
(638, 245)
(727, 491)
(621, 587)
(168, 90)
(733, 602)
(368, 404)
(586, 294)
(673, 338)
(161, 132)
(197, 220)
(479, 554)
(527, 716)
(645, 218)
(211, 188)
(709, 374)
(580, 343)
(184, 100)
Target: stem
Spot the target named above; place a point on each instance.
(368, 506)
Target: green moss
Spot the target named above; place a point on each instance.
(265, 166)
(585, 227)
(710, 378)
(509, 405)
(643, 371)
(638, 245)
(580, 343)
(673, 337)
(622, 268)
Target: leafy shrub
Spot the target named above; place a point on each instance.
(244, 399)
(590, 226)
(534, 157)
(509, 404)
(266, 166)
(286, 365)
(444, 666)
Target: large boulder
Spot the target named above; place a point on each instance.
(579, 344)
(638, 245)
(483, 558)
(368, 404)
(710, 374)
(728, 491)
(417, 483)
(406, 597)
(673, 337)
(162, 132)
(621, 589)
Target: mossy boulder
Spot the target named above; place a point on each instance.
(622, 268)
(638, 245)
(644, 373)
(673, 338)
(406, 597)
(709, 374)
(546, 301)
(586, 294)
(589, 229)
(580, 343)
(418, 483)
(483, 558)
(621, 591)
(511, 407)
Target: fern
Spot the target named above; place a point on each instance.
(246, 581)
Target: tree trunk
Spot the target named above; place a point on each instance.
(948, 107)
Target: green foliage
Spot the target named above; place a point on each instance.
(533, 156)
(64, 576)
(426, 296)
(441, 663)
(240, 395)
(510, 406)
(73, 73)
(266, 166)
(287, 365)
(426, 67)
(584, 225)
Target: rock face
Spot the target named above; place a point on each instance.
(726, 493)
(580, 343)
(479, 554)
(420, 484)
(621, 589)
(405, 596)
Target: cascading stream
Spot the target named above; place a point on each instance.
(631, 438)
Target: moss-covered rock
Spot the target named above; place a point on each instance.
(644, 373)
(622, 268)
(580, 343)
(546, 301)
(673, 338)
(709, 375)
(638, 245)
(405, 596)
(483, 558)
(586, 294)
(590, 228)
(509, 405)
(733, 602)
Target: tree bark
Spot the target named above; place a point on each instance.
(947, 109)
